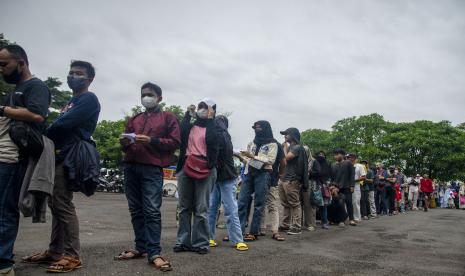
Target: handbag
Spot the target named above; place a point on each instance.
(196, 167)
(27, 138)
(325, 192)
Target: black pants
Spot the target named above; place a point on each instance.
(348, 201)
(364, 203)
(390, 198)
(380, 201)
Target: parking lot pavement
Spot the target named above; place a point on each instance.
(416, 243)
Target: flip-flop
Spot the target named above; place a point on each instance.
(240, 246)
(164, 267)
(278, 237)
(123, 256)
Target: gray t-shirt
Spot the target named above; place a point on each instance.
(292, 166)
(8, 150)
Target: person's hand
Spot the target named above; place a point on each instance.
(142, 139)
(247, 154)
(191, 110)
(351, 189)
(124, 141)
(211, 112)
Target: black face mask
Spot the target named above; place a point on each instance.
(14, 77)
(320, 158)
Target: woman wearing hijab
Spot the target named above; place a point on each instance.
(196, 173)
(260, 157)
(224, 190)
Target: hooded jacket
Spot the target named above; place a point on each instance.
(225, 165)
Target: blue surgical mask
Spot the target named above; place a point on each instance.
(76, 84)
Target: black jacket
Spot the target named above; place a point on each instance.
(225, 165)
(343, 174)
(82, 167)
(211, 137)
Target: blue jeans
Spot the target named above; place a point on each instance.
(194, 200)
(324, 214)
(144, 189)
(256, 184)
(10, 187)
(225, 191)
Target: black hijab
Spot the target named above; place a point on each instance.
(263, 137)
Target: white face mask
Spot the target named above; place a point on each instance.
(149, 102)
(202, 113)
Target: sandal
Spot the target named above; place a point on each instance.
(240, 246)
(67, 264)
(250, 237)
(40, 258)
(129, 255)
(278, 237)
(165, 266)
(226, 238)
(213, 243)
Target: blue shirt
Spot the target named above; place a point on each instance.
(78, 119)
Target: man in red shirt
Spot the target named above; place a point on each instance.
(426, 187)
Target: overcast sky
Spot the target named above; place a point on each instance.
(305, 63)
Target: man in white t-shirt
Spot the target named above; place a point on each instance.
(360, 175)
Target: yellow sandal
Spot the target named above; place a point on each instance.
(240, 246)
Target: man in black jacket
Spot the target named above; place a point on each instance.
(343, 174)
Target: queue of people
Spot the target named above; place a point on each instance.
(307, 185)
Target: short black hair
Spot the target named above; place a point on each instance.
(152, 86)
(89, 67)
(17, 52)
(340, 151)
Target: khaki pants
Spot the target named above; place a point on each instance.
(289, 192)
(272, 199)
(65, 223)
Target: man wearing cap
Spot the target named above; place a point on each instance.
(294, 180)
(360, 176)
(343, 174)
(156, 137)
(391, 190)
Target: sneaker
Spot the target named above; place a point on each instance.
(342, 224)
(373, 217)
(181, 248)
(365, 218)
(294, 232)
(311, 228)
(9, 271)
(201, 250)
(325, 226)
(213, 243)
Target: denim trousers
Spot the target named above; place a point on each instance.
(10, 187)
(194, 201)
(144, 190)
(256, 184)
(225, 191)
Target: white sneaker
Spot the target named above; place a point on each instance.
(311, 228)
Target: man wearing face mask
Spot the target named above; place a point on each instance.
(29, 103)
(77, 121)
(157, 136)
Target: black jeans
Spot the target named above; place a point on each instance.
(390, 198)
(364, 203)
(348, 201)
(380, 201)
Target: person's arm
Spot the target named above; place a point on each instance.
(351, 175)
(289, 152)
(22, 114)
(173, 139)
(83, 109)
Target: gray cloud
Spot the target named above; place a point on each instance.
(300, 63)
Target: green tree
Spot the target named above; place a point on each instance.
(318, 139)
(59, 98)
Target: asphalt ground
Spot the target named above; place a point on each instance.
(416, 243)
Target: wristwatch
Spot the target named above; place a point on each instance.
(2, 110)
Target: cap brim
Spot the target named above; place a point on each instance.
(284, 132)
